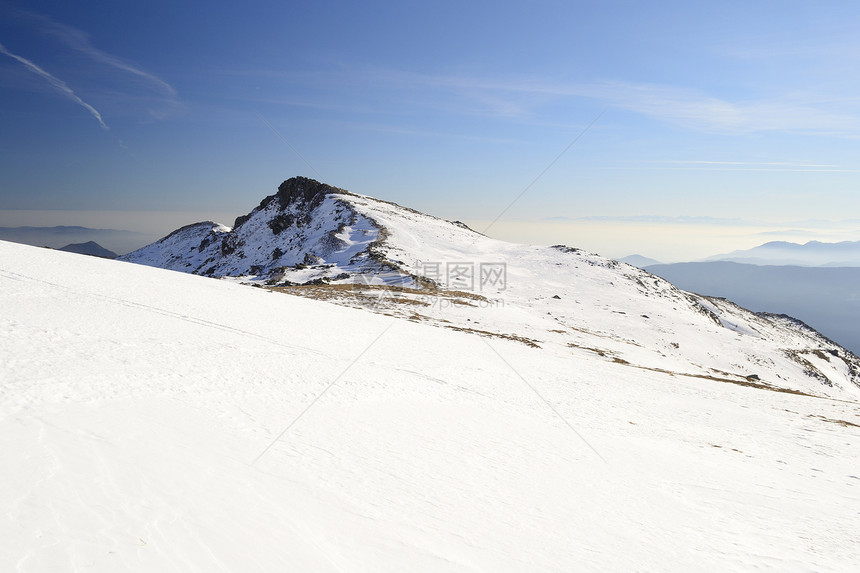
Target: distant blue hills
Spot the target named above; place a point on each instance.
(639, 261)
(811, 254)
(816, 282)
(89, 248)
(60, 236)
(826, 298)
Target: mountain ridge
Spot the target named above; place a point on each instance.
(314, 240)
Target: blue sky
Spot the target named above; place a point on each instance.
(719, 121)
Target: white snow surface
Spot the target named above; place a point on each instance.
(159, 421)
(584, 302)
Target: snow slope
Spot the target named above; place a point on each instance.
(560, 296)
(160, 421)
(824, 297)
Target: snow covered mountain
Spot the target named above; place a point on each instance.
(315, 240)
(159, 421)
(306, 223)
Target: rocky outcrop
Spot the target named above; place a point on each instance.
(293, 191)
(304, 224)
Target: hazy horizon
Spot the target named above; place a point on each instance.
(665, 241)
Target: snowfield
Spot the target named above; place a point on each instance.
(158, 421)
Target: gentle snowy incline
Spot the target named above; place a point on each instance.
(134, 401)
(567, 297)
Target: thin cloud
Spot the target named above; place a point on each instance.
(749, 163)
(806, 112)
(695, 110)
(425, 133)
(157, 96)
(776, 169)
(662, 219)
(80, 41)
(688, 108)
(58, 84)
(797, 167)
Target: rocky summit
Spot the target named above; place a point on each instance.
(305, 224)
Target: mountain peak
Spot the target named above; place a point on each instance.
(293, 191)
(305, 189)
(307, 231)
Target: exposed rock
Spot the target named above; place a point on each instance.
(304, 224)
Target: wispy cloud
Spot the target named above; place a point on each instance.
(695, 110)
(79, 40)
(797, 167)
(663, 219)
(749, 163)
(158, 96)
(57, 83)
(803, 233)
(523, 98)
(688, 108)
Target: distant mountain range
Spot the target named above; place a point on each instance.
(61, 236)
(816, 282)
(811, 254)
(639, 261)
